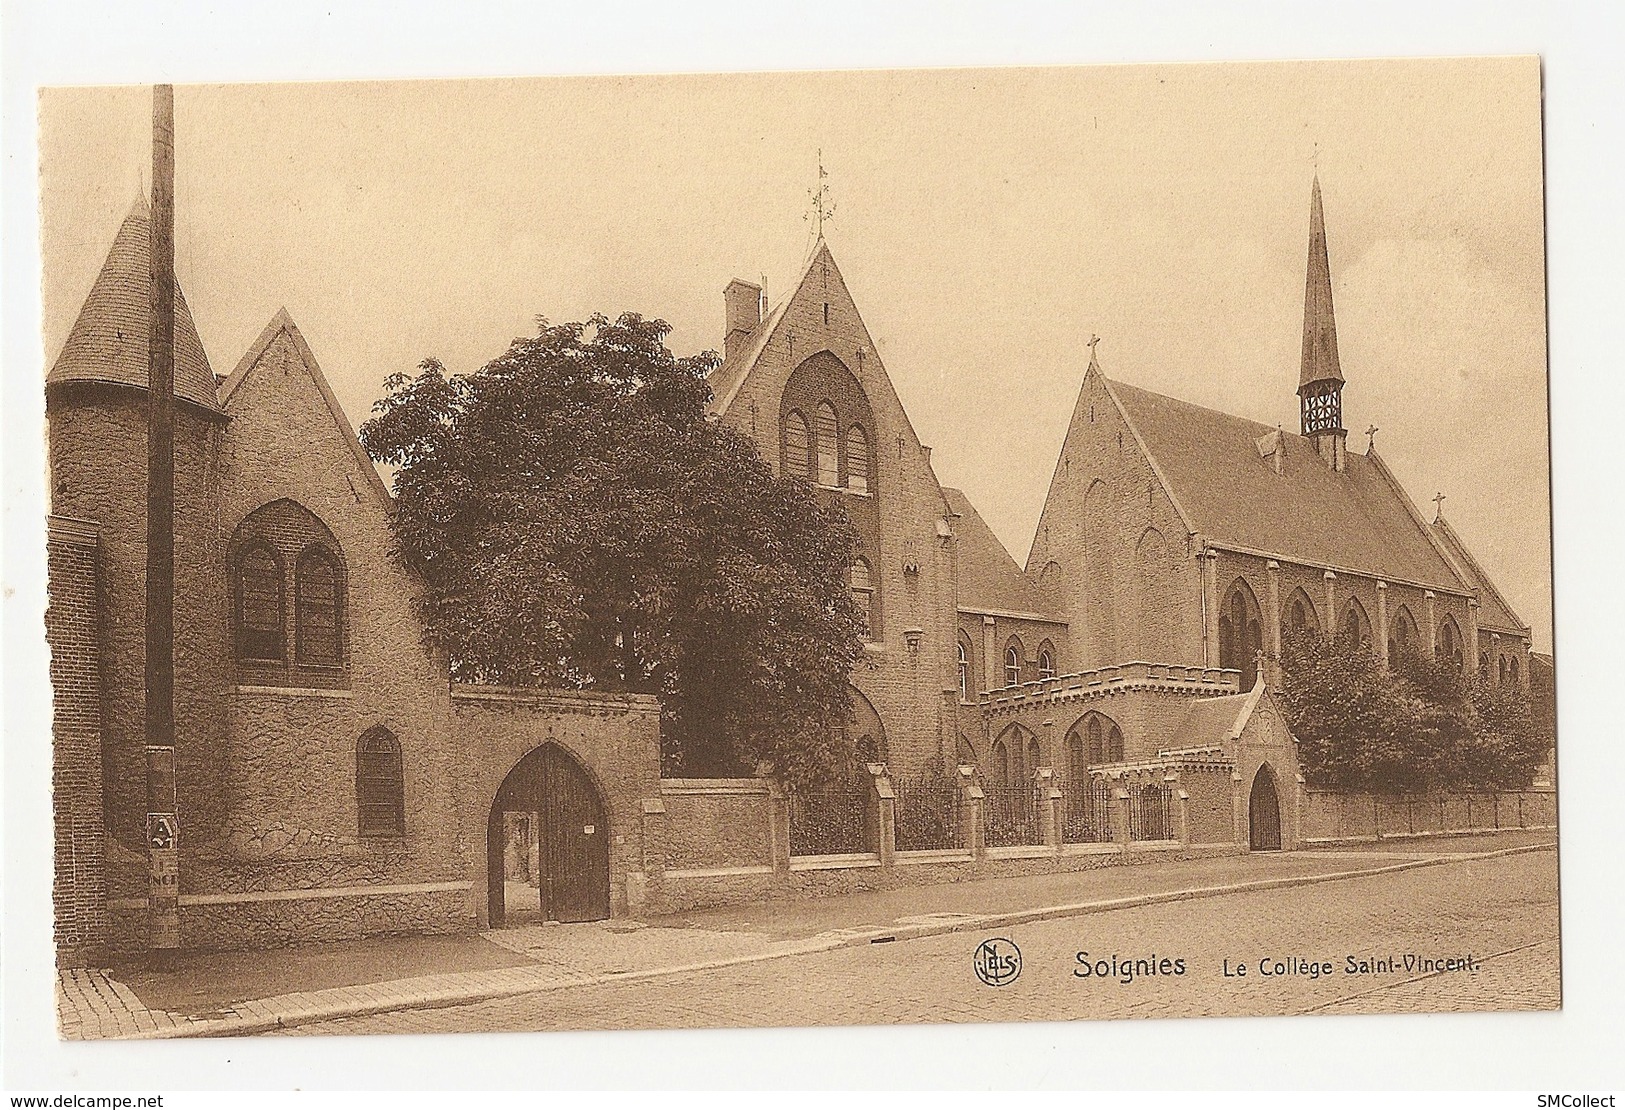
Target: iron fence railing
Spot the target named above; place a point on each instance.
(1010, 816)
(1150, 813)
(829, 822)
(1085, 811)
(926, 813)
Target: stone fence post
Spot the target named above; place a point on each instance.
(778, 824)
(1045, 797)
(971, 799)
(884, 816)
(1120, 825)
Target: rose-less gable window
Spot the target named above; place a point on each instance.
(287, 583)
(258, 598)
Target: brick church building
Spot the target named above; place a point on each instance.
(331, 781)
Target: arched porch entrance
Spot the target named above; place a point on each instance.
(1264, 813)
(547, 843)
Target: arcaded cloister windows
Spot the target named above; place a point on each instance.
(1240, 633)
(379, 787)
(827, 427)
(1013, 656)
(863, 596)
(287, 589)
(1097, 740)
(1046, 660)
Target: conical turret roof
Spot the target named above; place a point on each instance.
(108, 342)
(1319, 326)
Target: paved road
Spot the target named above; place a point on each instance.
(1502, 912)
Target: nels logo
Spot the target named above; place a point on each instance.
(997, 961)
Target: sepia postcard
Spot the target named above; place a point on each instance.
(825, 548)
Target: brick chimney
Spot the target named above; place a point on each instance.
(743, 301)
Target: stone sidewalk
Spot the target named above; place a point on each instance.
(94, 1005)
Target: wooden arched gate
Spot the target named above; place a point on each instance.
(1264, 813)
(547, 843)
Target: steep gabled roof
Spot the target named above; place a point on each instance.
(108, 342)
(1358, 520)
(1493, 611)
(990, 580)
(283, 323)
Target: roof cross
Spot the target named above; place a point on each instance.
(1438, 505)
(1371, 438)
(1094, 341)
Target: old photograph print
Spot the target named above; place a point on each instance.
(823, 548)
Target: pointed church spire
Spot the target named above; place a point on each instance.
(1319, 326)
(1320, 377)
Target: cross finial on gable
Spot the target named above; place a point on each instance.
(1438, 505)
(1371, 438)
(822, 209)
(1094, 341)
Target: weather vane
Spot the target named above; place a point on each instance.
(822, 209)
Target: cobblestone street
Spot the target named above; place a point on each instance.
(1501, 911)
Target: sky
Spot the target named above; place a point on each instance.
(987, 221)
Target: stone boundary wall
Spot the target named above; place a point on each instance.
(726, 841)
(1330, 816)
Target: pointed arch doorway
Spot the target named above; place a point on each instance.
(1264, 813)
(547, 844)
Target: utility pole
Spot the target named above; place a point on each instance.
(163, 900)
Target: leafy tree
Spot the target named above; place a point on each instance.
(578, 520)
(1418, 725)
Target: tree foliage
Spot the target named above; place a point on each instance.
(578, 521)
(1418, 725)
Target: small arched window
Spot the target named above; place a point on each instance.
(1450, 643)
(1512, 671)
(1012, 664)
(797, 446)
(1501, 678)
(1046, 660)
(828, 430)
(318, 609)
(1034, 757)
(1001, 762)
(1077, 760)
(259, 603)
(857, 460)
(863, 596)
(1484, 664)
(1114, 743)
(379, 789)
(964, 671)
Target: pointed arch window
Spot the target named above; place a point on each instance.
(1450, 643)
(857, 459)
(964, 671)
(797, 446)
(1101, 740)
(1046, 660)
(1001, 762)
(1404, 639)
(1035, 757)
(863, 596)
(318, 609)
(379, 786)
(1012, 663)
(1356, 629)
(828, 435)
(1512, 671)
(259, 600)
(1240, 633)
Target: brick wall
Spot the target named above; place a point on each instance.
(912, 566)
(73, 631)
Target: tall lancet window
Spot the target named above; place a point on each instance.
(857, 460)
(797, 446)
(828, 430)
